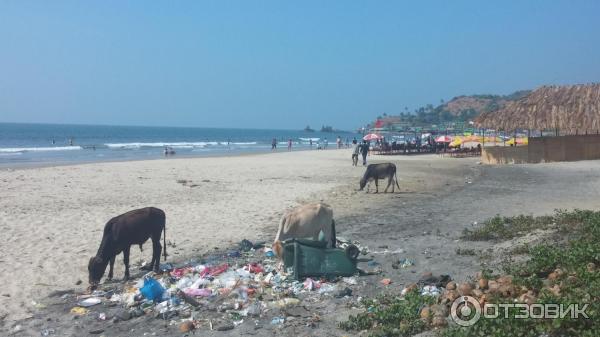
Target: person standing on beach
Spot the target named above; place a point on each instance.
(339, 142)
(290, 144)
(274, 144)
(364, 150)
(325, 143)
(310, 142)
(355, 151)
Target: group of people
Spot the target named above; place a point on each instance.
(321, 144)
(362, 149)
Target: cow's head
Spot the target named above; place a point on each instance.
(96, 268)
(363, 183)
(278, 249)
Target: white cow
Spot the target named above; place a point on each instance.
(306, 221)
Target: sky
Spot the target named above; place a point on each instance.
(280, 64)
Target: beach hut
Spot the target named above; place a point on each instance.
(570, 109)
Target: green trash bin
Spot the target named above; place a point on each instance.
(310, 258)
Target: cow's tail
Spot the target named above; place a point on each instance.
(164, 242)
(396, 179)
(333, 238)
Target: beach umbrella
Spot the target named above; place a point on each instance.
(443, 139)
(474, 138)
(456, 142)
(372, 136)
(520, 141)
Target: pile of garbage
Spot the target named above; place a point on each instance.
(218, 292)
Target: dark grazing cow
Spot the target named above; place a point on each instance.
(133, 227)
(380, 171)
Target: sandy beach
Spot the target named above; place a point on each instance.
(51, 218)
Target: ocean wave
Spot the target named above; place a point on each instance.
(180, 145)
(309, 139)
(38, 149)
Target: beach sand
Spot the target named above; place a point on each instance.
(51, 219)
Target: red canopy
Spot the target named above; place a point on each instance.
(443, 139)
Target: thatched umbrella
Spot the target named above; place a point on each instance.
(571, 109)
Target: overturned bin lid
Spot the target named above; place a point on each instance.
(310, 258)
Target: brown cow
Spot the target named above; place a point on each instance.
(133, 227)
(306, 221)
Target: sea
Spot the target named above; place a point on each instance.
(51, 144)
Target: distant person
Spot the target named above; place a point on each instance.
(325, 143)
(310, 142)
(338, 141)
(355, 152)
(364, 150)
(274, 144)
(347, 142)
(71, 141)
(290, 144)
(228, 143)
(53, 141)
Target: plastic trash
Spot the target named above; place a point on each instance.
(269, 252)
(246, 245)
(254, 268)
(327, 288)
(350, 280)
(152, 290)
(277, 320)
(234, 253)
(214, 271)
(79, 310)
(285, 303)
(198, 292)
(386, 281)
(309, 284)
(430, 291)
(88, 302)
(184, 282)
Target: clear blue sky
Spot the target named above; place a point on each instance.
(277, 64)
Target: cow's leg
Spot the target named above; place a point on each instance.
(156, 250)
(388, 185)
(376, 185)
(111, 264)
(126, 262)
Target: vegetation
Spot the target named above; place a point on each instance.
(505, 228)
(557, 273)
(566, 274)
(460, 109)
(390, 316)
